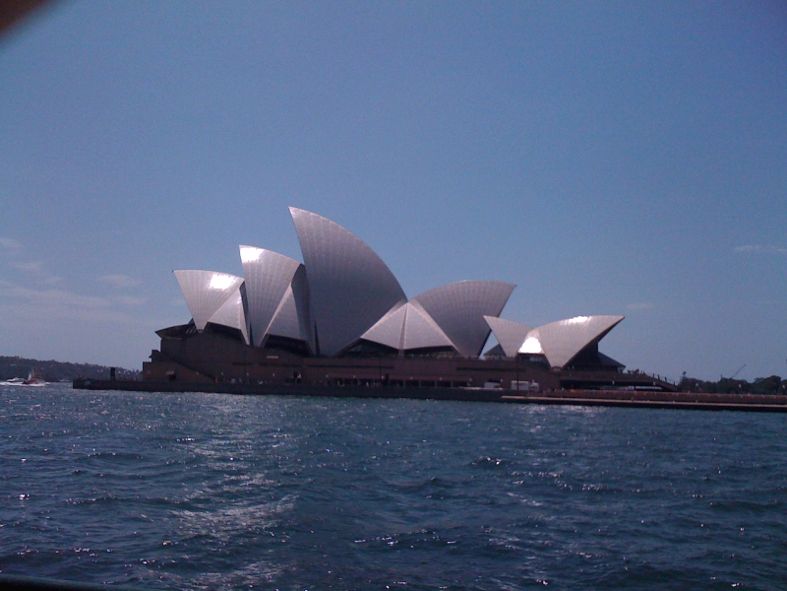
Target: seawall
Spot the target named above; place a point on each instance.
(621, 398)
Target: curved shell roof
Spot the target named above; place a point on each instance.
(268, 275)
(285, 320)
(389, 329)
(407, 326)
(509, 334)
(345, 292)
(421, 331)
(459, 309)
(233, 314)
(561, 341)
(205, 292)
(350, 287)
(292, 318)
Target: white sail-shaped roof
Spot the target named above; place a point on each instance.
(268, 275)
(388, 330)
(459, 309)
(406, 327)
(561, 341)
(292, 318)
(205, 292)
(232, 314)
(421, 331)
(350, 287)
(300, 293)
(509, 334)
(285, 320)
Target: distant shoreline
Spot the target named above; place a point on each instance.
(57, 371)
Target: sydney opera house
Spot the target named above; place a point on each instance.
(341, 317)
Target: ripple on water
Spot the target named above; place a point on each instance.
(218, 492)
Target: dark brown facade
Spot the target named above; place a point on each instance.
(220, 357)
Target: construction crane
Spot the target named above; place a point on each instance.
(732, 377)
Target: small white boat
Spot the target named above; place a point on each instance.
(31, 380)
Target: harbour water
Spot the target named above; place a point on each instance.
(210, 491)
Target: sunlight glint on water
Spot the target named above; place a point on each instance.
(200, 491)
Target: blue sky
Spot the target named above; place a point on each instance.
(606, 157)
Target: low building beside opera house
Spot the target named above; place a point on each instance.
(341, 318)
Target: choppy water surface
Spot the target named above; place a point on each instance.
(201, 491)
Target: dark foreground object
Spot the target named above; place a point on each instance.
(630, 398)
(18, 583)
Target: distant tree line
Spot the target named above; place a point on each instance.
(56, 371)
(770, 385)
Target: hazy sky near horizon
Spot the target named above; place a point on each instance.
(607, 157)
